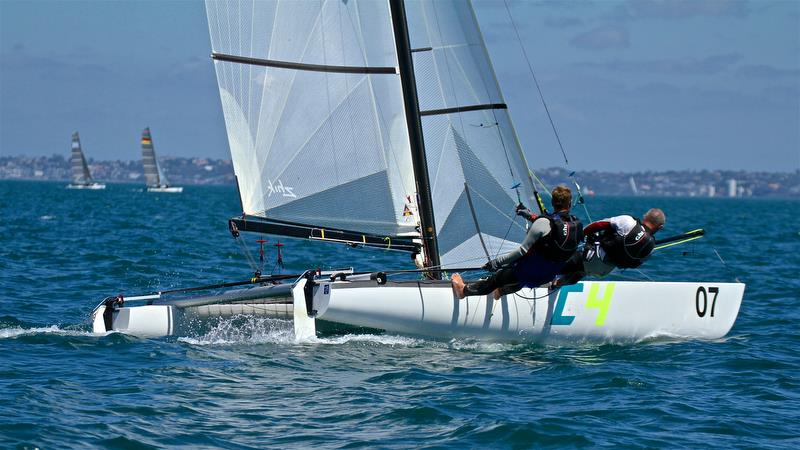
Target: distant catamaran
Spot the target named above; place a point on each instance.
(81, 178)
(156, 181)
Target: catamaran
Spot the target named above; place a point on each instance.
(81, 177)
(156, 181)
(381, 124)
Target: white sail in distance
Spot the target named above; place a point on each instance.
(80, 170)
(152, 171)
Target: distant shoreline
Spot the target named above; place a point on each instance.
(219, 172)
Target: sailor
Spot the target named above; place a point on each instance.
(623, 242)
(551, 241)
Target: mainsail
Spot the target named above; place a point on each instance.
(152, 172)
(316, 120)
(80, 170)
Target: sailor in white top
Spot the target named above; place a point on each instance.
(618, 242)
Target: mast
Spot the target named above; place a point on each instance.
(414, 123)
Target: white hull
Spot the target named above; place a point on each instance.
(92, 186)
(596, 311)
(171, 189)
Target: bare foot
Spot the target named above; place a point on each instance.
(458, 285)
(497, 294)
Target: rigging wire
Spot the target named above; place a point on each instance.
(580, 200)
(246, 252)
(725, 265)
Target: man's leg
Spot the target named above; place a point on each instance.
(505, 290)
(502, 277)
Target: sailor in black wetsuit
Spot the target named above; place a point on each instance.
(623, 242)
(551, 241)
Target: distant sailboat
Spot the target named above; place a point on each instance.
(81, 178)
(156, 181)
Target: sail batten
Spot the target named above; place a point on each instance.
(302, 66)
(458, 109)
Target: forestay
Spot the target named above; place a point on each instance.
(80, 170)
(468, 134)
(314, 113)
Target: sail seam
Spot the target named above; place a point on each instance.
(459, 109)
(303, 66)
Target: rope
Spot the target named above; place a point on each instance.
(549, 291)
(725, 265)
(246, 252)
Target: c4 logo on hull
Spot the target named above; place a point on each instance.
(593, 300)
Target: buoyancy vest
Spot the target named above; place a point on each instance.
(631, 250)
(566, 232)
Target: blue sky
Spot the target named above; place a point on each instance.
(631, 85)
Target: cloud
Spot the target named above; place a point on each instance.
(602, 38)
(48, 67)
(688, 66)
(765, 71)
(683, 9)
(562, 22)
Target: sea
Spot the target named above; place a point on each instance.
(245, 383)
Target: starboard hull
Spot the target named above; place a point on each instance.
(596, 311)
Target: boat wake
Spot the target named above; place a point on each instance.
(262, 330)
(15, 332)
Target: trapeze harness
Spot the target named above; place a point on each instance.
(550, 252)
(629, 251)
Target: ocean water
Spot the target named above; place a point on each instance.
(245, 383)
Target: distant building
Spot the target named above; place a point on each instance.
(732, 191)
(712, 190)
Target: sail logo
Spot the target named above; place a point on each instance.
(278, 188)
(593, 300)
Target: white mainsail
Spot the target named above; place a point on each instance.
(80, 170)
(313, 145)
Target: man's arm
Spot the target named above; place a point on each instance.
(539, 228)
(596, 227)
